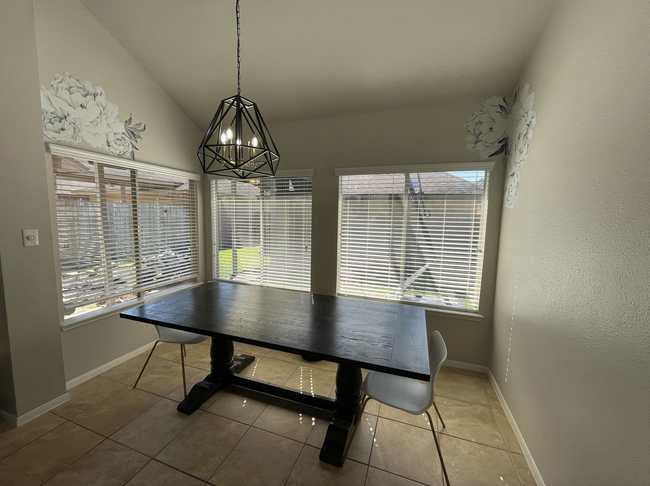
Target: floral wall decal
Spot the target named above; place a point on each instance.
(487, 129)
(500, 128)
(74, 110)
(511, 189)
(521, 127)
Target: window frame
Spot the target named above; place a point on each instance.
(142, 296)
(284, 174)
(447, 311)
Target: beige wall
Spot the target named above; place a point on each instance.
(572, 312)
(59, 36)
(70, 39)
(29, 327)
(7, 391)
(417, 136)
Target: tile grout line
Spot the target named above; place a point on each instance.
(43, 434)
(501, 431)
(399, 475)
(295, 463)
(391, 472)
(509, 451)
(159, 397)
(143, 453)
(32, 441)
(75, 460)
(138, 471)
(449, 435)
(516, 470)
(93, 448)
(372, 443)
(474, 442)
(229, 452)
(305, 442)
(153, 459)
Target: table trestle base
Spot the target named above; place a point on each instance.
(340, 432)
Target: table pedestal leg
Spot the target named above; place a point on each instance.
(221, 370)
(348, 408)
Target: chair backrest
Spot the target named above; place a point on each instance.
(437, 354)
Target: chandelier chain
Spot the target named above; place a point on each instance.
(238, 54)
(226, 150)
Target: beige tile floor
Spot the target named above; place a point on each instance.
(111, 434)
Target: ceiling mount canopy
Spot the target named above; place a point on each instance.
(237, 143)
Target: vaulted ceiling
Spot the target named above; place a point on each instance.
(304, 59)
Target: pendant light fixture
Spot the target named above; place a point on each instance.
(237, 143)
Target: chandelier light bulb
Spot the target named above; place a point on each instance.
(224, 139)
(229, 134)
(254, 141)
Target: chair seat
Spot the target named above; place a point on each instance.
(399, 392)
(168, 335)
(410, 395)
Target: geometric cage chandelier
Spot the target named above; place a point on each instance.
(237, 143)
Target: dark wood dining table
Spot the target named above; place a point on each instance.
(355, 333)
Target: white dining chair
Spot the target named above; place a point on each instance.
(408, 394)
(174, 336)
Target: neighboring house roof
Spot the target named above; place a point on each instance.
(429, 183)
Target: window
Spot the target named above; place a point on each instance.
(125, 229)
(262, 231)
(414, 237)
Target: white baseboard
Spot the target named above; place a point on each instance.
(524, 448)
(23, 419)
(105, 367)
(484, 369)
(37, 412)
(466, 366)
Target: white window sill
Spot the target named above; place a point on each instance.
(430, 310)
(84, 319)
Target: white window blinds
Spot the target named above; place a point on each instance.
(262, 231)
(122, 230)
(413, 237)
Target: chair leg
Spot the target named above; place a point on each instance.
(183, 367)
(145, 364)
(442, 462)
(364, 403)
(440, 416)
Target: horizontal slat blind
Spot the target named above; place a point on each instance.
(122, 230)
(413, 237)
(262, 231)
(168, 222)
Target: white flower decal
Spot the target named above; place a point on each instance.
(118, 144)
(59, 125)
(511, 189)
(487, 129)
(74, 110)
(497, 129)
(521, 128)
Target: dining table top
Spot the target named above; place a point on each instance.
(375, 335)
